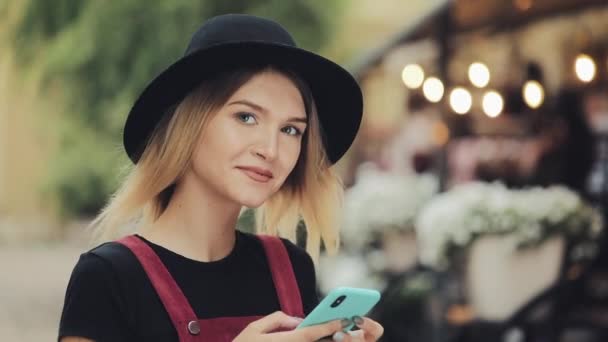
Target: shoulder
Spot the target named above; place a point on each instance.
(110, 250)
(109, 261)
(115, 254)
(108, 272)
(100, 258)
(97, 297)
(93, 278)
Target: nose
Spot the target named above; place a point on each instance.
(267, 147)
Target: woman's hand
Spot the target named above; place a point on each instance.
(263, 329)
(370, 331)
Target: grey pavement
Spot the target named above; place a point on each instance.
(33, 279)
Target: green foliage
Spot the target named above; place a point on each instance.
(103, 53)
(246, 222)
(85, 172)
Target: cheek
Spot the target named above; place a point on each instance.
(207, 157)
(291, 159)
(200, 168)
(294, 160)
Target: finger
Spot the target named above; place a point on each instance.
(341, 336)
(275, 321)
(316, 332)
(357, 335)
(351, 336)
(373, 330)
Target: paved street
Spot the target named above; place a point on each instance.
(33, 278)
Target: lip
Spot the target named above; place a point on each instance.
(256, 173)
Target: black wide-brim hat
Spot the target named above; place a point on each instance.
(234, 40)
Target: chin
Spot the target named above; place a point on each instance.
(252, 203)
(251, 197)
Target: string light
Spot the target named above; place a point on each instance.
(534, 94)
(492, 103)
(585, 68)
(460, 100)
(412, 76)
(433, 89)
(479, 74)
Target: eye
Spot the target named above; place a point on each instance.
(291, 130)
(247, 118)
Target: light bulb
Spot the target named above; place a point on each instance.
(585, 68)
(432, 89)
(492, 103)
(534, 94)
(479, 74)
(460, 100)
(412, 76)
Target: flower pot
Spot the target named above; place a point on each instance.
(501, 279)
(400, 250)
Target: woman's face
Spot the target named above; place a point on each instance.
(253, 142)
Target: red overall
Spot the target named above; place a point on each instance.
(189, 327)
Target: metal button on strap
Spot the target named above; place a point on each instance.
(194, 328)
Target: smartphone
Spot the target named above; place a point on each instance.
(341, 303)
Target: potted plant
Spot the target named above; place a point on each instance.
(513, 241)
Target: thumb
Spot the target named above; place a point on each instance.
(275, 321)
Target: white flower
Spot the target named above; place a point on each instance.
(346, 270)
(380, 201)
(455, 218)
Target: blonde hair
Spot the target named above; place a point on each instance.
(313, 192)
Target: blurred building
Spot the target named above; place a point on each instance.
(512, 91)
(489, 69)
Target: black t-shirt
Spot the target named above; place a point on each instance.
(110, 298)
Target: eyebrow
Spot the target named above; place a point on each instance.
(265, 111)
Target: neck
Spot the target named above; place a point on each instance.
(197, 224)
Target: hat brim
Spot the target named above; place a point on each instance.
(336, 93)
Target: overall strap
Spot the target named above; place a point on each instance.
(283, 276)
(181, 313)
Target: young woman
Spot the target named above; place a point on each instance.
(244, 119)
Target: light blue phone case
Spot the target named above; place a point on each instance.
(340, 303)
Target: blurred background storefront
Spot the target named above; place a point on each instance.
(504, 105)
(476, 189)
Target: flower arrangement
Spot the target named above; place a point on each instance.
(378, 202)
(381, 201)
(453, 220)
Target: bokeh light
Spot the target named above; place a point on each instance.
(533, 93)
(492, 103)
(585, 68)
(479, 74)
(433, 89)
(460, 100)
(412, 76)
